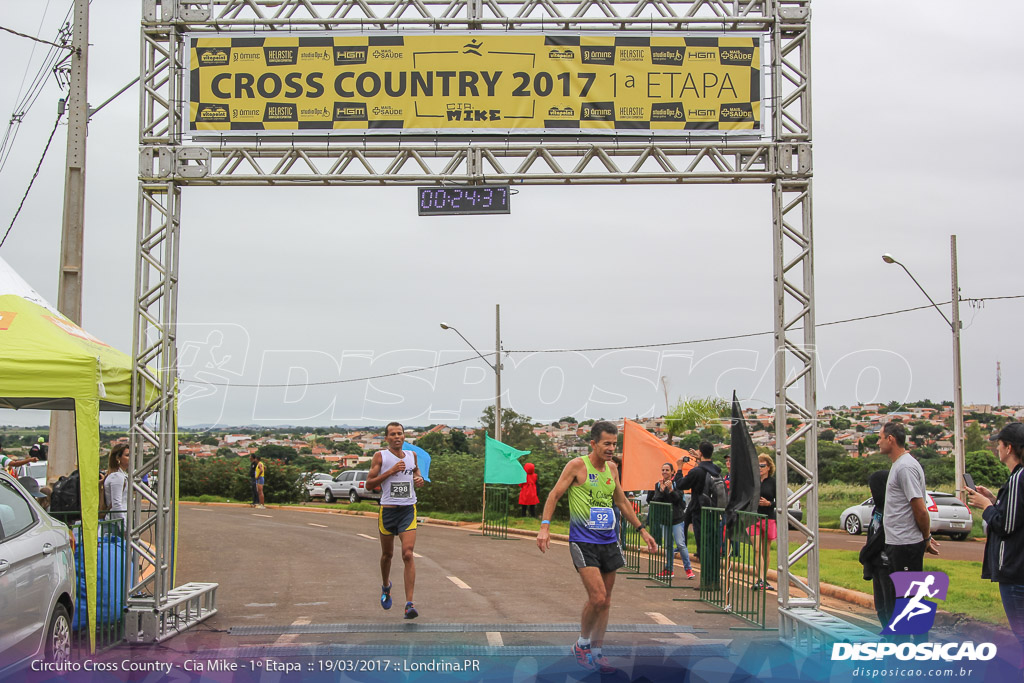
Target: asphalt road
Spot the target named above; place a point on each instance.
(281, 566)
(948, 548)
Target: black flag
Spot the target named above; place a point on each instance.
(744, 479)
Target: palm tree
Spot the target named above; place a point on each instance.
(690, 413)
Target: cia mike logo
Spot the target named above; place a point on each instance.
(914, 612)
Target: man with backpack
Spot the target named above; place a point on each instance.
(706, 485)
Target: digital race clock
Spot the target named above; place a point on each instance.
(462, 200)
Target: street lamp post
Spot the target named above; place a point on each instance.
(496, 365)
(954, 326)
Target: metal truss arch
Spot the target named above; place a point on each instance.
(169, 161)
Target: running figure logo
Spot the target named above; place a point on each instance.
(914, 613)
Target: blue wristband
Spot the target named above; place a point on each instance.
(545, 521)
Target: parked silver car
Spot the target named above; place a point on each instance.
(948, 516)
(351, 485)
(37, 581)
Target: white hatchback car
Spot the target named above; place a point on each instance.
(37, 581)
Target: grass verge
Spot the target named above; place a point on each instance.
(968, 594)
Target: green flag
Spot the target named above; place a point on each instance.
(501, 463)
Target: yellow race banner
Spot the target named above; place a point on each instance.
(476, 83)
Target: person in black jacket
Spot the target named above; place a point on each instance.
(1004, 514)
(666, 492)
(872, 555)
(694, 481)
(765, 531)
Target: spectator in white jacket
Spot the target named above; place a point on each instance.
(115, 484)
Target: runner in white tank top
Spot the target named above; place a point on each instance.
(398, 474)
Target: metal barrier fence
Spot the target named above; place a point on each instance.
(734, 564)
(659, 525)
(629, 538)
(495, 524)
(111, 582)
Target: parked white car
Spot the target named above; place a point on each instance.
(314, 482)
(37, 581)
(948, 515)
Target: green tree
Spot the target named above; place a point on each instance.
(689, 414)
(986, 469)
(691, 440)
(713, 433)
(827, 435)
(346, 446)
(839, 423)
(568, 418)
(974, 440)
(459, 441)
(435, 442)
(225, 452)
(516, 430)
(275, 452)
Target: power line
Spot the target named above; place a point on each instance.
(606, 348)
(331, 381)
(27, 98)
(30, 182)
(750, 334)
(38, 40)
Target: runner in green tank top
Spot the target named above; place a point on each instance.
(593, 486)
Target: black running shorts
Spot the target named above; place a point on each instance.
(396, 520)
(607, 557)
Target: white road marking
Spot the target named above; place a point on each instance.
(322, 526)
(256, 514)
(681, 638)
(416, 555)
(459, 582)
(494, 639)
(289, 638)
(262, 604)
(372, 538)
(310, 604)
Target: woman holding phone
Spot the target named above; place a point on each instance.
(1004, 515)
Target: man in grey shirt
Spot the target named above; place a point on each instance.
(905, 519)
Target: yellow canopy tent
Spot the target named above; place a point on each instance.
(49, 363)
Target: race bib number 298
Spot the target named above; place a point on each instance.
(401, 489)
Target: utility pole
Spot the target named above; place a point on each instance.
(497, 372)
(999, 385)
(958, 400)
(63, 451)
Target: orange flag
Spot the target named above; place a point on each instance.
(643, 454)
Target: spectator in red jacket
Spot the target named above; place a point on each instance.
(528, 499)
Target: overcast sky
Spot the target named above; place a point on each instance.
(915, 112)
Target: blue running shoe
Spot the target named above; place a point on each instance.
(385, 596)
(410, 611)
